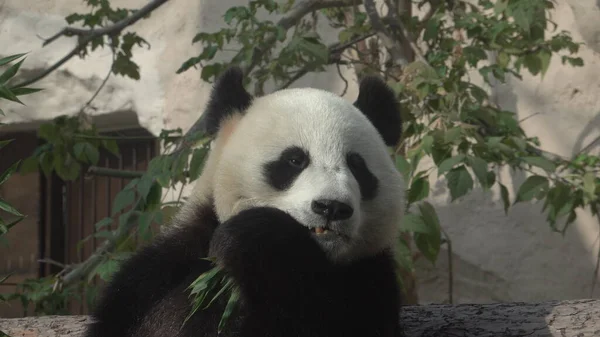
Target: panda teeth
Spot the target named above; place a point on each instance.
(320, 230)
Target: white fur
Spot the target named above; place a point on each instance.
(328, 127)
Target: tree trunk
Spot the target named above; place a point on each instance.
(580, 318)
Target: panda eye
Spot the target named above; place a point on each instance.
(296, 157)
(298, 161)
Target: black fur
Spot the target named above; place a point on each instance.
(288, 286)
(151, 275)
(367, 182)
(378, 102)
(228, 97)
(281, 173)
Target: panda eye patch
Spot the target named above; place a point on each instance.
(296, 157)
(367, 182)
(281, 173)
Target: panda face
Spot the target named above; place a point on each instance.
(319, 158)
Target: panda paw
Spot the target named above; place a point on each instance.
(263, 237)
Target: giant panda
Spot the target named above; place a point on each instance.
(299, 202)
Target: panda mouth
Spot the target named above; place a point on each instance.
(321, 230)
(324, 231)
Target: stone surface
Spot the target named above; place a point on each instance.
(564, 319)
(497, 257)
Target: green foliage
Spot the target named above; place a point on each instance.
(450, 122)
(303, 49)
(214, 283)
(10, 93)
(450, 126)
(102, 15)
(69, 148)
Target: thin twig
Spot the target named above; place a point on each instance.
(290, 20)
(382, 32)
(450, 268)
(88, 35)
(589, 146)
(108, 172)
(343, 79)
(432, 10)
(335, 51)
(526, 118)
(52, 262)
(597, 268)
(89, 102)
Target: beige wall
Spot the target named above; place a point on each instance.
(496, 257)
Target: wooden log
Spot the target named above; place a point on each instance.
(579, 318)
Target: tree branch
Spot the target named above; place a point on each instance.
(335, 51)
(108, 172)
(88, 35)
(382, 32)
(291, 19)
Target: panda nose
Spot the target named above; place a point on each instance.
(332, 209)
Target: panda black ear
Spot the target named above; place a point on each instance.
(228, 97)
(378, 102)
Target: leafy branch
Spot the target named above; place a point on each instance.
(11, 94)
(93, 36)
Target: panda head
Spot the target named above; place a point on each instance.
(311, 154)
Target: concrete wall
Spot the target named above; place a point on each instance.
(496, 257)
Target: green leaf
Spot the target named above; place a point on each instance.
(111, 145)
(544, 57)
(4, 228)
(107, 269)
(480, 167)
(419, 189)
(143, 186)
(531, 188)
(540, 162)
(589, 185)
(4, 278)
(7, 94)
(447, 164)
(414, 223)
(48, 132)
(459, 182)
(10, 72)
(229, 308)
(197, 163)
(3, 143)
(4, 176)
(8, 59)
(8, 208)
(122, 200)
(403, 167)
(144, 222)
(66, 167)
(20, 91)
(317, 50)
(404, 255)
(153, 199)
(29, 165)
(103, 223)
(430, 217)
(427, 143)
(503, 59)
(429, 244)
(86, 152)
